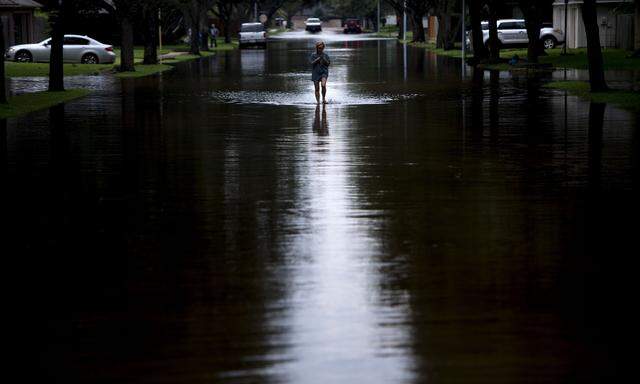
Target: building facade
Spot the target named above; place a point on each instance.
(18, 20)
(615, 20)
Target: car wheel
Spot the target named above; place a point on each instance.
(549, 42)
(24, 57)
(89, 58)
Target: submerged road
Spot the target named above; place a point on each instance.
(213, 225)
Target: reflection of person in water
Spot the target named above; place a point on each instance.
(320, 62)
(321, 126)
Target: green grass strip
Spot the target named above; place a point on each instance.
(14, 69)
(42, 69)
(145, 70)
(624, 99)
(30, 102)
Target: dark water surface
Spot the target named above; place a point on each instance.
(212, 225)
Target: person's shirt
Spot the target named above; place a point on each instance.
(214, 31)
(323, 63)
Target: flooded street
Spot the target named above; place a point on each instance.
(213, 225)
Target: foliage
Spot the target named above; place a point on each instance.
(353, 8)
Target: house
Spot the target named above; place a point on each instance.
(18, 20)
(614, 19)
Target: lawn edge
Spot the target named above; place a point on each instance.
(625, 99)
(26, 105)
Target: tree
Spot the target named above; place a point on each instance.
(594, 50)
(494, 42)
(532, 10)
(480, 51)
(224, 9)
(56, 60)
(637, 28)
(398, 7)
(3, 80)
(150, 23)
(417, 10)
(446, 33)
(126, 11)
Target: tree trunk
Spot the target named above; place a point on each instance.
(418, 28)
(594, 51)
(444, 32)
(127, 61)
(227, 31)
(151, 37)
(195, 33)
(637, 26)
(399, 21)
(533, 22)
(441, 27)
(56, 66)
(475, 14)
(3, 80)
(533, 32)
(494, 42)
(204, 42)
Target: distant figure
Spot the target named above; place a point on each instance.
(213, 32)
(514, 60)
(320, 62)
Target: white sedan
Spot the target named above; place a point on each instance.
(76, 49)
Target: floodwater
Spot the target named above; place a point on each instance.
(213, 225)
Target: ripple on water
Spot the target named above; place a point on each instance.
(301, 99)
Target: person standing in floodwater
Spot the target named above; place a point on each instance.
(320, 62)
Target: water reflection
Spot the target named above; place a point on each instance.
(596, 122)
(3, 148)
(321, 126)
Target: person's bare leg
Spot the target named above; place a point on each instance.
(324, 90)
(317, 85)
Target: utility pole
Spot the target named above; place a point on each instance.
(404, 21)
(378, 23)
(255, 11)
(160, 34)
(464, 33)
(566, 19)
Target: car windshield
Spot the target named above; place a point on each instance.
(313, 20)
(252, 28)
(485, 26)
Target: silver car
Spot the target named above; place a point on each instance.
(514, 32)
(76, 49)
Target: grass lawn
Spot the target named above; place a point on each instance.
(23, 104)
(575, 58)
(14, 69)
(624, 99)
(42, 69)
(145, 70)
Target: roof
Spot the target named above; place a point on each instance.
(19, 4)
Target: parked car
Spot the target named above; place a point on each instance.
(76, 49)
(514, 32)
(352, 26)
(252, 34)
(313, 24)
